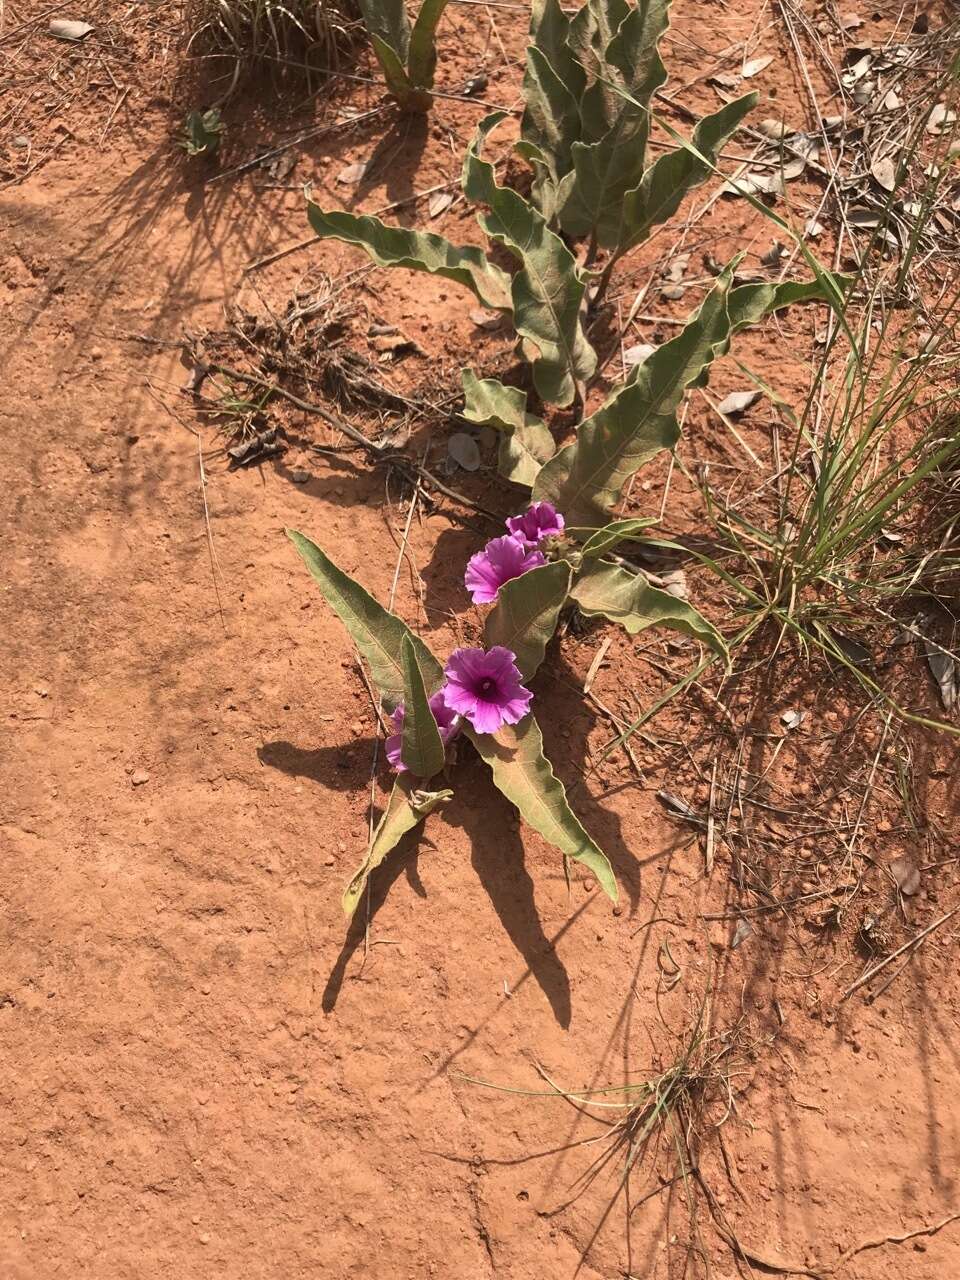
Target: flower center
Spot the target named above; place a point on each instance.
(486, 685)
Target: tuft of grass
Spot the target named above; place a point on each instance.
(242, 37)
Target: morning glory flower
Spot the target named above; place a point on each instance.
(540, 520)
(498, 562)
(446, 723)
(485, 687)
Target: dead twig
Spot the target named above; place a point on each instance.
(912, 942)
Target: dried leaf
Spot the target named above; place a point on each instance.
(730, 83)
(737, 402)
(675, 584)
(850, 21)
(939, 117)
(774, 129)
(676, 267)
(891, 102)
(793, 718)
(678, 806)
(464, 450)
(755, 66)
(488, 320)
(439, 202)
(793, 169)
(744, 930)
(884, 170)
(673, 292)
(858, 70)
(773, 255)
(69, 29)
(906, 873)
(862, 217)
(393, 345)
(813, 229)
(752, 184)
(944, 669)
(353, 173)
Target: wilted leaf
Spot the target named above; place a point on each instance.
(465, 452)
(525, 615)
(525, 442)
(417, 250)
(891, 102)
(906, 873)
(439, 202)
(793, 718)
(352, 173)
(525, 776)
(69, 28)
(774, 129)
(737, 402)
(850, 21)
(406, 807)
(679, 806)
(488, 320)
(637, 354)
(548, 289)
(377, 634)
(743, 931)
(627, 598)
(939, 118)
(944, 669)
(813, 229)
(421, 747)
(753, 184)
(755, 66)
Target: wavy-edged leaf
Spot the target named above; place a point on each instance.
(550, 33)
(599, 541)
(551, 124)
(421, 747)
(608, 167)
(547, 290)
(416, 250)
(664, 185)
(589, 36)
(525, 776)
(584, 479)
(394, 72)
(627, 598)
(525, 615)
(378, 634)
(406, 808)
(525, 441)
(422, 52)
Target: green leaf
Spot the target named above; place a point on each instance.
(406, 808)
(418, 251)
(525, 615)
(668, 180)
(525, 441)
(590, 33)
(422, 55)
(550, 30)
(394, 72)
(386, 22)
(551, 124)
(584, 479)
(548, 289)
(421, 747)
(627, 598)
(600, 541)
(525, 776)
(378, 635)
(607, 168)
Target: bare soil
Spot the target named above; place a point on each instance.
(203, 1071)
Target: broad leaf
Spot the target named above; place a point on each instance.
(421, 747)
(551, 124)
(387, 21)
(589, 36)
(525, 441)
(548, 289)
(600, 541)
(627, 598)
(417, 250)
(607, 168)
(394, 72)
(668, 180)
(525, 615)
(405, 809)
(378, 635)
(525, 776)
(422, 54)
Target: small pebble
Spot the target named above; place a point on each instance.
(204, 1237)
(299, 476)
(96, 353)
(140, 777)
(328, 860)
(589, 885)
(20, 140)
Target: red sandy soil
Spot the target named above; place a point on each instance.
(203, 1072)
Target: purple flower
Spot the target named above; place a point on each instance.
(498, 562)
(540, 520)
(484, 686)
(446, 723)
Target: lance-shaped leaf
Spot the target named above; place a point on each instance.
(525, 441)
(422, 51)
(624, 597)
(406, 807)
(525, 615)
(421, 747)
(525, 776)
(607, 168)
(387, 20)
(584, 479)
(547, 290)
(600, 541)
(668, 180)
(378, 634)
(395, 74)
(416, 250)
(551, 124)
(590, 33)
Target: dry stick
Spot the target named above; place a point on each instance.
(879, 1243)
(911, 942)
